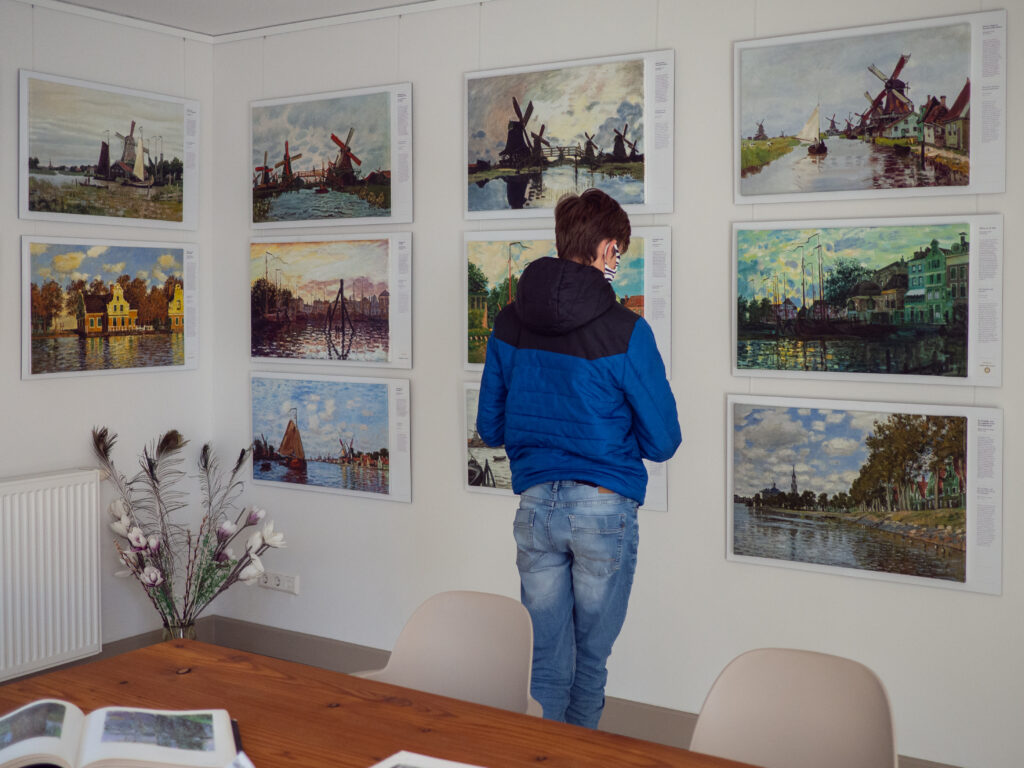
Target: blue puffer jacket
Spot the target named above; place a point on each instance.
(574, 386)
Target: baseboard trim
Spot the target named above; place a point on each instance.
(628, 718)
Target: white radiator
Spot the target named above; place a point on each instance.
(49, 570)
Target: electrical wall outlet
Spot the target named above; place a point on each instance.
(282, 582)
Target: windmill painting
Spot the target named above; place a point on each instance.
(343, 157)
(535, 134)
(905, 91)
(102, 154)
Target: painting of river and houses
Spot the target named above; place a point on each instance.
(861, 298)
(495, 261)
(107, 307)
(534, 134)
(880, 489)
(330, 433)
(336, 158)
(101, 154)
(334, 300)
(868, 112)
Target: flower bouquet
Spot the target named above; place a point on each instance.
(181, 571)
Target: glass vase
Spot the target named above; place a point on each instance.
(179, 632)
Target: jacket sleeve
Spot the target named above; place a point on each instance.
(655, 420)
(490, 411)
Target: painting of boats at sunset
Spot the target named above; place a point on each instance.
(863, 298)
(107, 307)
(322, 299)
(535, 134)
(869, 109)
(875, 489)
(318, 432)
(341, 157)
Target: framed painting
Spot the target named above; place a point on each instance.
(100, 154)
(95, 306)
(536, 133)
(333, 434)
(881, 111)
(333, 158)
(915, 300)
(908, 493)
(344, 300)
(488, 470)
(495, 260)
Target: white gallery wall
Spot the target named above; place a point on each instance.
(952, 661)
(48, 421)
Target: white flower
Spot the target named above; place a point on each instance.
(252, 572)
(151, 576)
(254, 543)
(255, 515)
(272, 539)
(153, 543)
(117, 509)
(226, 530)
(137, 538)
(226, 555)
(121, 526)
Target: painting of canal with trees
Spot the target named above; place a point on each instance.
(495, 262)
(869, 111)
(864, 298)
(870, 490)
(103, 307)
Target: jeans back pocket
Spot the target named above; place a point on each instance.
(597, 542)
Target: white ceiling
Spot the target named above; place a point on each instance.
(226, 17)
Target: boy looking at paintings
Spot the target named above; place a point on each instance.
(575, 389)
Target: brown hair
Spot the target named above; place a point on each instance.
(583, 221)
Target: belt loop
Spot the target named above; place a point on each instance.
(554, 486)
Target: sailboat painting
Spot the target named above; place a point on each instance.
(810, 134)
(882, 111)
(101, 154)
(325, 433)
(536, 133)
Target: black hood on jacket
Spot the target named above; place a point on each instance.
(556, 296)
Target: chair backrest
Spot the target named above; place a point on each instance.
(784, 708)
(473, 646)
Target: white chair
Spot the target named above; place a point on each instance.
(473, 646)
(784, 708)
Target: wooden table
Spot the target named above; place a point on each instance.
(296, 716)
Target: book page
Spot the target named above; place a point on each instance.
(407, 759)
(122, 736)
(47, 729)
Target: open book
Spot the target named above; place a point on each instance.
(54, 732)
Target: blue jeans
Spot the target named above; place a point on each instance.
(576, 553)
